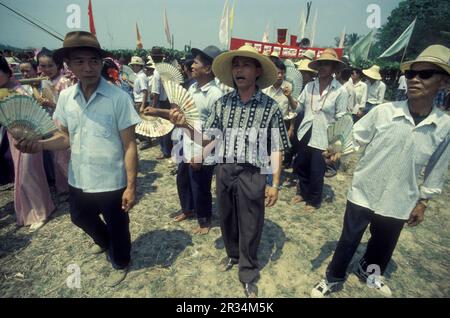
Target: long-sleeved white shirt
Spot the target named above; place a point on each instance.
(386, 179)
(375, 92)
(321, 111)
(361, 95)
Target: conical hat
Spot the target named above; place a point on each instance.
(373, 73)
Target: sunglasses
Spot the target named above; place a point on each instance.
(423, 74)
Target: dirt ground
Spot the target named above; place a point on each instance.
(170, 261)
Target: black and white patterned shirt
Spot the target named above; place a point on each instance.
(249, 132)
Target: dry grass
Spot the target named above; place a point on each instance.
(170, 261)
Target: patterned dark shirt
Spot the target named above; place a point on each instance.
(250, 131)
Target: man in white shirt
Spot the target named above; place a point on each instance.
(324, 100)
(375, 87)
(401, 90)
(141, 84)
(361, 94)
(401, 139)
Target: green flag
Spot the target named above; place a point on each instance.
(360, 50)
(401, 42)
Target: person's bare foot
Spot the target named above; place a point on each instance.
(202, 230)
(183, 216)
(309, 208)
(297, 199)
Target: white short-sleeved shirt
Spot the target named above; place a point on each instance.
(97, 154)
(375, 92)
(157, 87)
(141, 83)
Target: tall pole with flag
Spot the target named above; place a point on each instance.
(224, 26)
(91, 19)
(138, 38)
(313, 28)
(232, 19)
(401, 42)
(302, 25)
(265, 37)
(359, 52)
(342, 41)
(167, 30)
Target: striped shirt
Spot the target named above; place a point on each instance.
(250, 131)
(386, 179)
(321, 111)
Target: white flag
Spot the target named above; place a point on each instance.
(224, 26)
(302, 25)
(166, 28)
(265, 38)
(342, 41)
(401, 42)
(313, 29)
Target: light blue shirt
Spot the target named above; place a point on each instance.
(321, 111)
(97, 154)
(204, 98)
(386, 179)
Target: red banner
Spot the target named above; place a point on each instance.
(284, 51)
(91, 19)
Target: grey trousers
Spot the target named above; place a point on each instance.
(240, 198)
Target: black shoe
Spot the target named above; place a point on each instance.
(227, 263)
(251, 290)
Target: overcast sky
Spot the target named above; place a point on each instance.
(195, 21)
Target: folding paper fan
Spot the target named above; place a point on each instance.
(340, 135)
(4, 92)
(24, 118)
(129, 74)
(294, 77)
(289, 63)
(180, 96)
(153, 126)
(168, 72)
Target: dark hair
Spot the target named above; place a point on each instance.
(47, 53)
(32, 63)
(357, 71)
(4, 67)
(279, 64)
(108, 64)
(345, 74)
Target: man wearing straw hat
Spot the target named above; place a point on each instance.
(401, 139)
(375, 88)
(254, 139)
(97, 122)
(323, 101)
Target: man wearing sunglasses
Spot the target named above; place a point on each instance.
(401, 139)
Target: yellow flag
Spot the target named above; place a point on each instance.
(232, 17)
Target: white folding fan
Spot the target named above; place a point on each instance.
(294, 77)
(180, 96)
(24, 118)
(129, 74)
(340, 135)
(153, 126)
(168, 72)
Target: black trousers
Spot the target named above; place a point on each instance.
(194, 190)
(240, 198)
(384, 231)
(310, 167)
(114, 233)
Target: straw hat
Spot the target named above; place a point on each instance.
(438, 55)
(302, 65)
(136, 60)
(150, 63)
(78, 39)
(309, 54)
(327, 55)
(373, 73)
(222, 66)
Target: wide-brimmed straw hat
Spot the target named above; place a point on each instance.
(438, 55)
(77, 40)
(327, 55)
(302, 65)
(136, 60)
(373, 73)
(222, 66)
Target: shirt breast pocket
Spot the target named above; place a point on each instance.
(72, 122)
(100, 125)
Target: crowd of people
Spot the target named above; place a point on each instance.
(250, 129)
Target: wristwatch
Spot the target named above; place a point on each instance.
(424, 202)
(278, 187)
